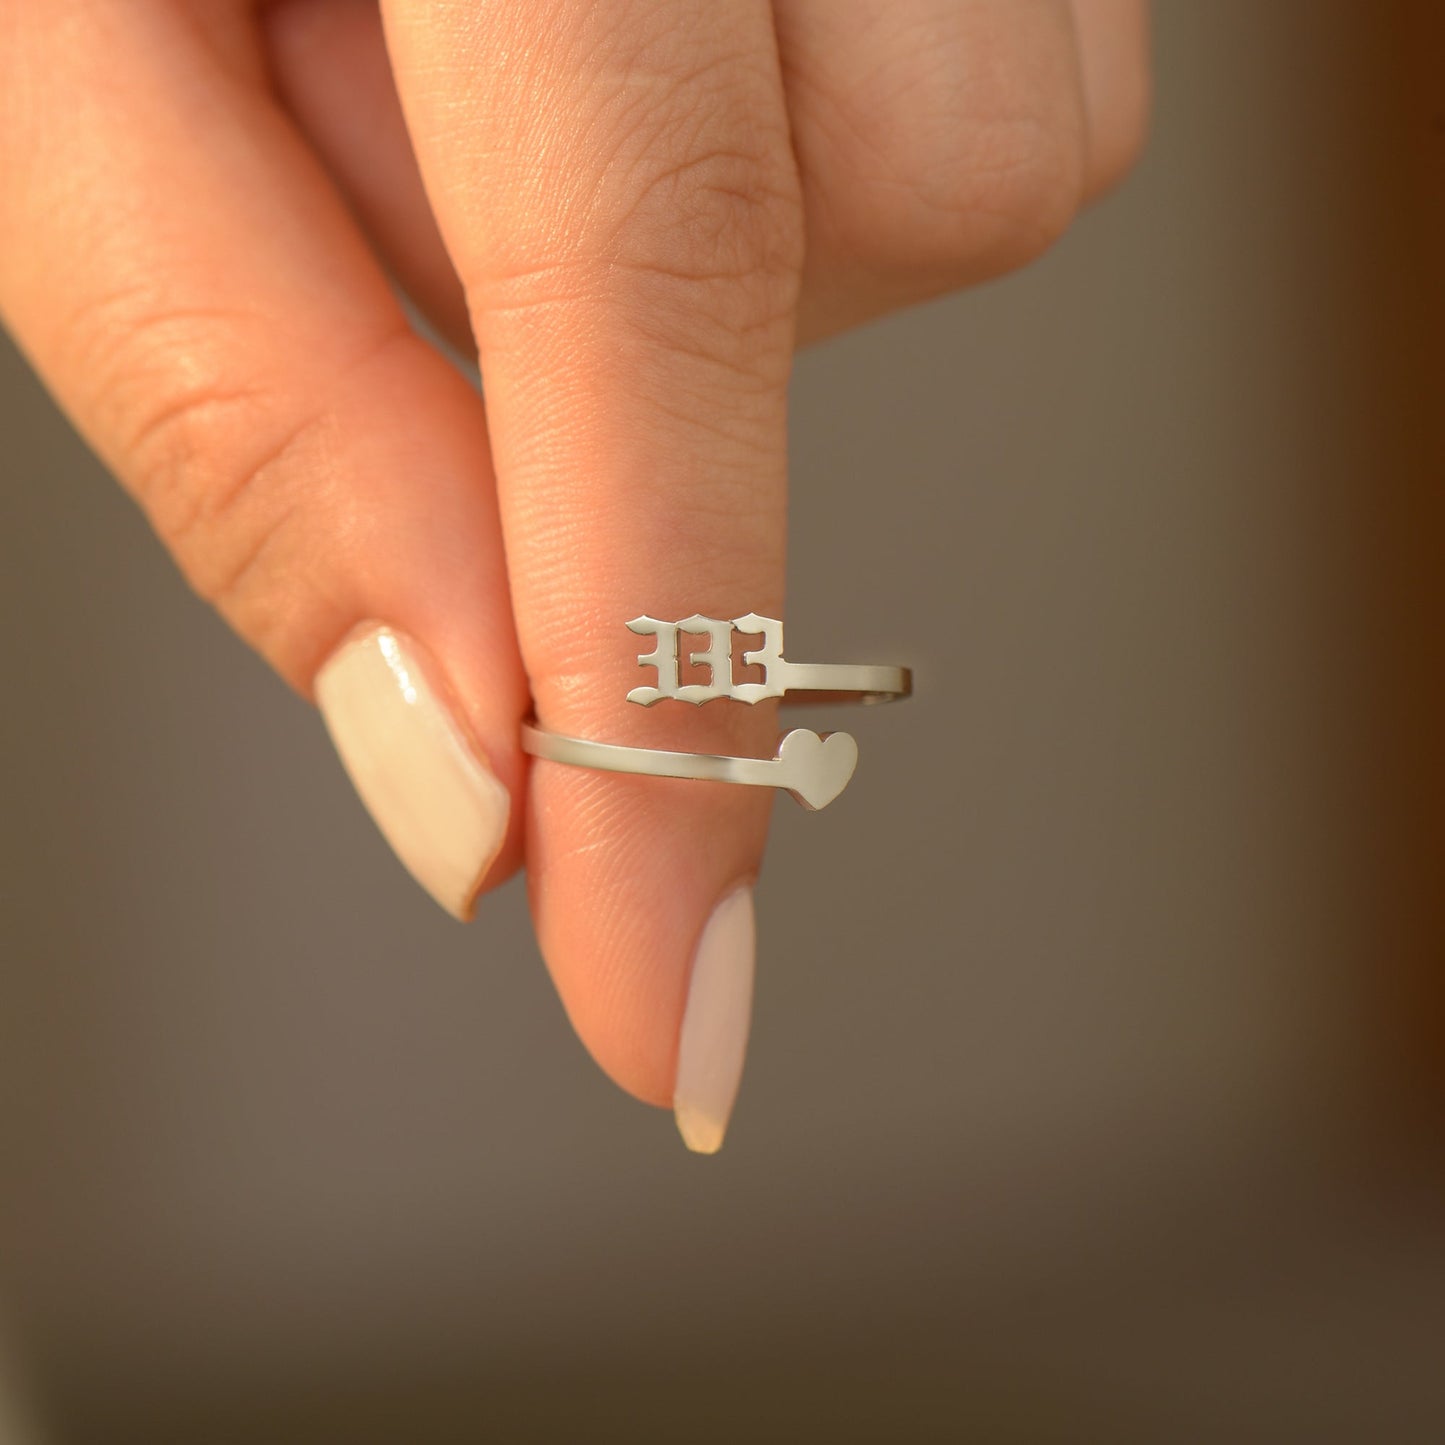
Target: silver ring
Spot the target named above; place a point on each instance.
(824, 681)
(813, 767)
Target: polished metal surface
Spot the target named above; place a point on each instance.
(824, 681)
(813, 767)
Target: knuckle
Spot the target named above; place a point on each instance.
(184, 455)
(962, 189)
(690, 214)
(222, 462)
(703, 184)
(215, 473)
(704, 213)
(202, 449)
(185, 425)
(1029, 185)
(1117, 139)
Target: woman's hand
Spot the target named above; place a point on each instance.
(636, 207)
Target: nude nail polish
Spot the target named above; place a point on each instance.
(715, 1024)
(424, 780)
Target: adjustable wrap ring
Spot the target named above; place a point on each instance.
(813, 767)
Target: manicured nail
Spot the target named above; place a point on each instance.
(715, 1024)
(426, 785)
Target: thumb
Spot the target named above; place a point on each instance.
(616, 187)
(178, 268)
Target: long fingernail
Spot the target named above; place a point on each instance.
(715, 1024)
(427, 786)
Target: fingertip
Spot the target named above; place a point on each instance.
(641, 892)
(702, 1133)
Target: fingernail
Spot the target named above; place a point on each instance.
(426, 785)
(715, 1024)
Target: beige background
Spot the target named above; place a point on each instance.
(1089, 1023)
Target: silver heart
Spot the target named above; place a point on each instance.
(817, 767)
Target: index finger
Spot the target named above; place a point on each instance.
(616, 186)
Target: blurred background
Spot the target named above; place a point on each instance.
(1100, 1041)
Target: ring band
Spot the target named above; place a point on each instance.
(862, 682)
(813, 767)
(823, 681)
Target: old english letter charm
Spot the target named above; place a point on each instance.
(716, 657)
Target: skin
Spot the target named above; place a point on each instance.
(639, 210)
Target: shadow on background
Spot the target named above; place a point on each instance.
(1101, 1029)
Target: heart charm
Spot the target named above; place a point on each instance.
(817, 768)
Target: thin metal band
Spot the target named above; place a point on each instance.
(813, 767)
(824, 682)
(820, 681)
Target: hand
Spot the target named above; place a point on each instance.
(636, 208)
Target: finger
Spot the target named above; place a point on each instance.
(175, 264)
(941, 142)
(615, 183)
(332, 70)
(329, 64)
(1114, 54)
